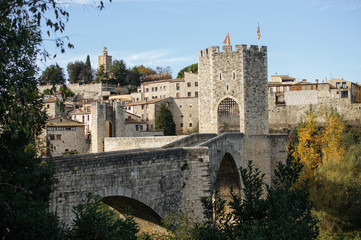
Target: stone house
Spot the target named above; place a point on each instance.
(346, 89)
(175, 88)
(63, 135)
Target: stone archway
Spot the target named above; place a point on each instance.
(228, 116)
(228, 178)
(139, 209)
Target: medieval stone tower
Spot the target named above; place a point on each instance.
(233, 90)
(107, 120)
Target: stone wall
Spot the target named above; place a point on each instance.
(168, 181)
(125, 143)
(240, 75)
(323, 100)
(185, 114)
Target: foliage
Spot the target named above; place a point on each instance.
(25, 179)
(65, 91)
(118, 73)
(143, 71)
(101, 76)
(52, 75)
(283, 213)
(92, 222)
(191, 68)
(309, 147)
(79, 72)
(334, 176)
(164, 121)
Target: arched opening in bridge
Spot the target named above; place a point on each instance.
(144, 215)
(228, 178)
(228, 116)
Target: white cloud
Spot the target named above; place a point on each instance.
(155, 58)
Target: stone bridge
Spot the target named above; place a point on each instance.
(159, 181)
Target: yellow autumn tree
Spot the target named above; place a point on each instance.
(309, 146)
(333, 148)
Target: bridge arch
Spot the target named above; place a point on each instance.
(228, 115)
(138, 209)
(119, 198)
(228, 177)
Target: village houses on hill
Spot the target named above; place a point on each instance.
(99, 111)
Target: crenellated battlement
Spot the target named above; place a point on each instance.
(228, 49)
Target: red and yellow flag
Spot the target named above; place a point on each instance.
(227, 40)
(258, 32)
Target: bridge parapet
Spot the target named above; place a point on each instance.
(191, 140)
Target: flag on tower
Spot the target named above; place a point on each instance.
(227, 40)
(258, 32)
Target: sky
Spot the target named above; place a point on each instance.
(306, 39)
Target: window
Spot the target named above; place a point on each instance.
(181, 116)
(147, 90)
(190, 115)
(136, 127)
(142, 107)
(344, 94)
(337, 85)
(58, 137)
(196, 84)
(82, 117)
(52, 137)
(190, 105)
(220, 76)
(344, 85)
(188, 84)
(234, 76)
(196, 94)
(190, 124)
(189, 94)
(48, 106)
(164, 88)
(156, 88)
(178, 95)
(180, 106)
(141, 127)
(181, 125)
(152, 89)
(177, 86)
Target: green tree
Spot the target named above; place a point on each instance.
(78, 72)
(283, 212)
(191, 68)
(101, 76)
(25, 179)
(164, 121)
(92, 221)
(335, 184)
(88, 70)
(118, 72)
(52, 75)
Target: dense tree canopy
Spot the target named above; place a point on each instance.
(53, 75)
(25, 179)
(118, 73)
(331, 155)
(191, 68)
(79, 72)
